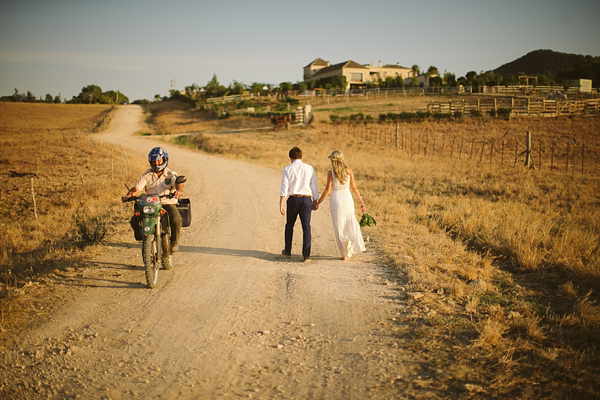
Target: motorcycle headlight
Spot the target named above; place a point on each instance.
(148, 210)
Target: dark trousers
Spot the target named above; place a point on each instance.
(298, 206)
(175, 221)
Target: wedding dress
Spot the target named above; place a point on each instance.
(345, 225)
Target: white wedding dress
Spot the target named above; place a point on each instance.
(345, 225)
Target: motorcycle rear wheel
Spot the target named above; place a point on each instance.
(150, 258)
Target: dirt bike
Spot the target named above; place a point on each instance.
(155, 232)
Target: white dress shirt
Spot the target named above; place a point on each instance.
(299, 178)
(152, 184)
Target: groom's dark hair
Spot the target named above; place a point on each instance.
(296, 153)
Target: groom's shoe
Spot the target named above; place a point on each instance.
(285, 253)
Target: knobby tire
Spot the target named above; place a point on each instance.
(150, 258)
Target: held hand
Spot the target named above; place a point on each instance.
(315, 206)
(124, 199)
(363, 208)
(178, 194)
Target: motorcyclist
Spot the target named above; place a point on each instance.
(160, 180)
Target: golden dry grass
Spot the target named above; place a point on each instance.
(491, 246)
(50, 146)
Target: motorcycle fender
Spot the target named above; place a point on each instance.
(148, 226)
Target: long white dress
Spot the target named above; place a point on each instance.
(345, 225)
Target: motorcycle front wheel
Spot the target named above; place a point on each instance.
(166, 252)
(150, 258)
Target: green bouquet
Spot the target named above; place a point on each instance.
(367, 220)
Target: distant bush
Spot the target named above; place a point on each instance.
(442, 116)
(504, 112)
(245, 104)
(475, 113)
(492, 113)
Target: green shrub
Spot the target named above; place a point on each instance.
(334, 118)
(475, 113)
(504, 112)
(493, 113)
(458, 114)
(91, 230)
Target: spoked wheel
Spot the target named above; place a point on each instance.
(151, 261)
(166, 257)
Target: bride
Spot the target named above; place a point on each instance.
(340, 181)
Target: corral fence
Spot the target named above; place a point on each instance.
(518, 106)
(328, 94)
(559, 153)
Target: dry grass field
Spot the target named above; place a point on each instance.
(76, 184)
(503, 262)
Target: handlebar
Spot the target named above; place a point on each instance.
(136, 198)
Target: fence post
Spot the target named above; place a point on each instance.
(540, 156)
(568, 149)
(582, 156)
(528, 150)
(33, 197)
(443, 143)
(472, 146)
(482, 149)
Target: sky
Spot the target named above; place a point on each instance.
(146, 47)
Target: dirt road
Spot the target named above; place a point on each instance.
(233, 318)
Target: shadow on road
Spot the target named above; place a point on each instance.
(260, 255)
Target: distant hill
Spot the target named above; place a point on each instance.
(553, 64)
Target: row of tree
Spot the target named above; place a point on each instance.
(583, 67)
(91, 94)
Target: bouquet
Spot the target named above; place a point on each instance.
(367, 220)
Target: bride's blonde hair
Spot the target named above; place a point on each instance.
(340, 169)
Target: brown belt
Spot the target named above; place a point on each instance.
(300, 195)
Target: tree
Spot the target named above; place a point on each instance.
(450, 79)
(416, 70)
(236, 87)
(432, 71)
(301, 86)
(285, 87)
(214, 89)
(57, 99)
(89, 94)
(49, 98)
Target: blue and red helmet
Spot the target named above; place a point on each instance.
(158, 159)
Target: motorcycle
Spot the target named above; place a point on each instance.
(155, 231)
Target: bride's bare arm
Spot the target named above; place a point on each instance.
(326, 191)
(354, 188)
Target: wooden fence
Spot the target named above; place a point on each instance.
(519, 106)
(563, 154)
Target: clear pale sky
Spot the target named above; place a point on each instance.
(140, 46)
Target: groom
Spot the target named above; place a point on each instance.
(299, 184)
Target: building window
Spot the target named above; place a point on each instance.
(356, 76)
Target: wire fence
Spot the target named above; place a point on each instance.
(549, 151)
